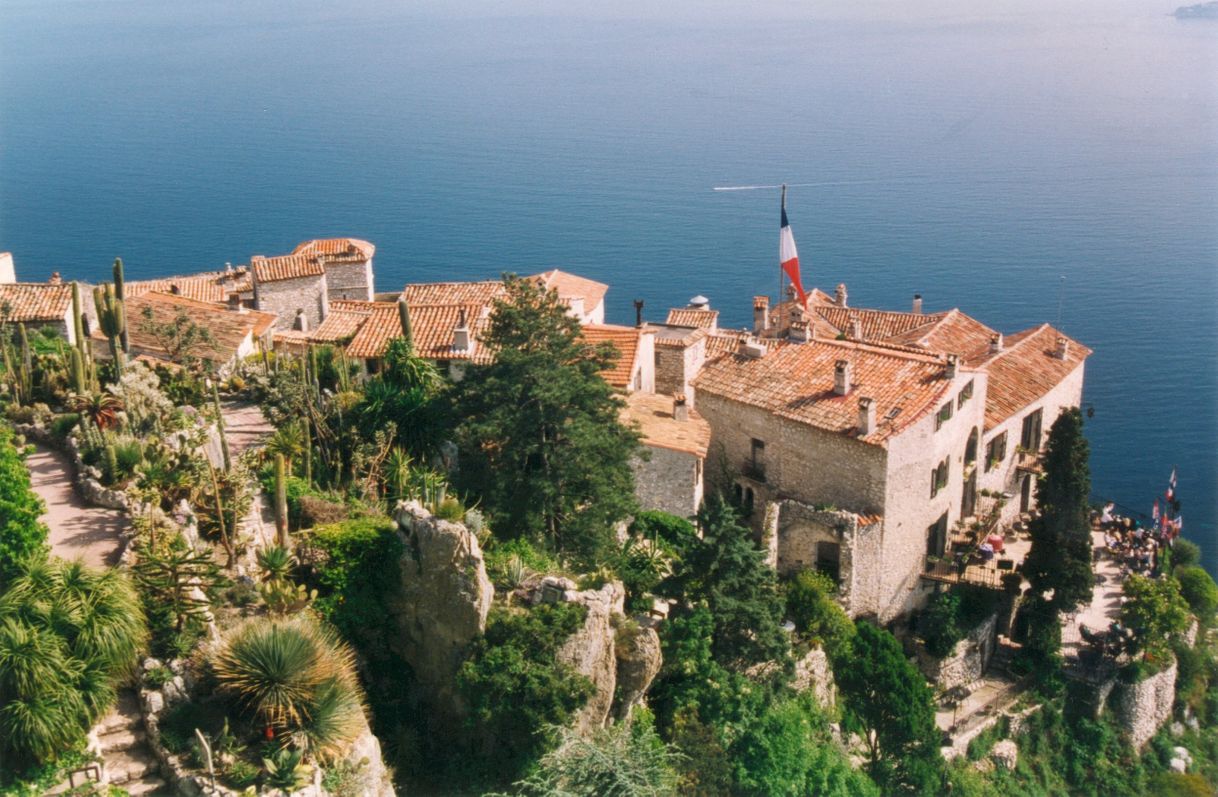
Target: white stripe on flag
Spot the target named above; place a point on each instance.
(786, 246)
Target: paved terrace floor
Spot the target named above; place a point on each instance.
(1105, 603)
(77, 530)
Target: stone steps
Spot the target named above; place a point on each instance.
(126, 757)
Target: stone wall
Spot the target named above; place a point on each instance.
(798, 530)
(285, 297)
(349, 281)
(967, 662)
(676, 366)
(670, 481)
(1141, 708)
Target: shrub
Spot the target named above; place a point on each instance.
(450, 509)
(1185, 552)
(240, 774)
(22, 535)
(499, 558)
(63, 425)
(1179, 784)
(316, 511)
(674, 533)
(1199, 589)
(157, 677)
(355, 568)
(811, 606)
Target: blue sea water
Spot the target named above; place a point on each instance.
(1025, 161)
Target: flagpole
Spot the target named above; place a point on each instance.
(778, 298)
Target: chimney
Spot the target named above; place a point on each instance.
(841, 377)
(917, 304)
(55, 278)
(866, 415)
(301, 323)
(750, 347)
(995, 343)
(680, 408)
(461, 333)
(699, 302)
(761, 314)
(638, 312)
(800, 331)
(234, 302)
(856, 329)
(840, 295)
(953, 362)
(228, 268)
(1063, 348)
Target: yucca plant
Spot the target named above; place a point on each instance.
(275, 563)
(335, 717)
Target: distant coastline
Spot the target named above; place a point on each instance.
(1199, 11)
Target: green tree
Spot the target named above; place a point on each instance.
(889, 704)
(1060, 558)
(1154, 611)
(514, 689)
(542, 441)
(407, 393)
(183, 341)
(727, 573)
(1199, 589)
(22, 535)
(625, 760)
(811, 606)
(67, 634)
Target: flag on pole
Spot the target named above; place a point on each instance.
(1171, 485)
(787, 255)
(1154, 514)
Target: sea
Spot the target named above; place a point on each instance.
(1024, 160)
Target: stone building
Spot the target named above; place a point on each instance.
(347, 263)
(584, 298)
(676, 437)
(861, 438)
(634, 368)
(293, 287)
(41, 304)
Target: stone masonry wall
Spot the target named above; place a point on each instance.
(799, 529)
(671, 481)
(967, 662)
(676, 366)
(349, 281)
(1143, 707)
(286, 296)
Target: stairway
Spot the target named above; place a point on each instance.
(128, 761)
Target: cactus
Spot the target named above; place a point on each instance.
(89, 374)
(281, 502)
(27, 363)
(215, 397)
(344, 371)
(404, 317)
(78, 372)
(225, 539)
(112, 319)
(112, 462)
(120, 295)
(308, 453)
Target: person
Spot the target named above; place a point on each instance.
(1106, 515)
(987, 551)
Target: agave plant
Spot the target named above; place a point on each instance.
(275, 563)
(284, 770)
(102, 408)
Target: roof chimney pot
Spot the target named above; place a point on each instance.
(1063, 348)
(761, 314)
(866, 416)
(953, 364)
(840, 295)
(841, 377)
(995, 343)
(680, 407)
(917, 304)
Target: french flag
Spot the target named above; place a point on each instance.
(1171, 485)
(787, 254)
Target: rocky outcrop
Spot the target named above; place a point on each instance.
(637, 649)
(813, 673)
(443, 599)
(1142, 707)
(591, 651)
(1005, 754)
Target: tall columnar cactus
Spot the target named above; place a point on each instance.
(404, 317)
(281, 501)
(26, 375)
(120, 295)
(215, 397)
(308, 453)
(82, 343)
(79, 382)
(344, 371)
(111, 463)
(112, 319)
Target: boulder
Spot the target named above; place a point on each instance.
(812, 672)
(443, 598)
(638, 662)
(591, 651)
(1005, 754)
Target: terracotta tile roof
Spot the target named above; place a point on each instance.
(954, 333)
(212, 286)
(625, 340)
(228, 328)
(693, 317)
(37, 301)
(876, 325)
(1025, 370)
(870, 520)
(344, 320)
(796, 382)
(483, 292)
(722, 343)
(569, 286)
(653, 414)
(349, 250)
(431, 325)
(285, 267)
(678, 337)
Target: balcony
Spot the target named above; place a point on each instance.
(1027, 461)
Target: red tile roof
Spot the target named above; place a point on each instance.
(729, 342)
(344, 320)
(285, 267)
(228, 328)
(338, 249)
(1025, 370)
(625, 340)
(431, 325)
(483, 292)
(653, 414)
(693, 317)
(953, 333)
(796, 382)
(37, 301)
(876, 324)
(569, 287)
(213, 286)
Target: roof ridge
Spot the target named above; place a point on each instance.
(890, 349)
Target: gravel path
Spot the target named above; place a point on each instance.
(77, 529)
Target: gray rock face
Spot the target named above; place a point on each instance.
(638, 662)
(1005, 754)
(591, 652)
(444, 597)
(812, 672)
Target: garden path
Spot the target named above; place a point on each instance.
(244, 425)
(77, 530)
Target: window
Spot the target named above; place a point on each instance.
(995, 452)
(1029, 438)
(938, 478)
(970, 448)
(966, 393)
(936, 537)
(755, 467)
(945, 414)
(828, 559)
